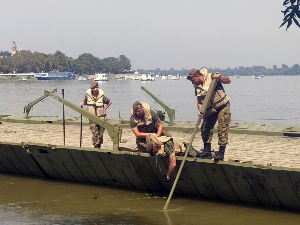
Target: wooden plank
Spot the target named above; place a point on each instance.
(5, 152)
(130, 172)
(28, 161)
(100, 169)
(80, 159)
(219, 181)
(198, 177)
(282, 188)
(115, 170)
(15, 160)
(2, 168)
(146, 173)
(294, 177)
(160, 171)
(65, 164)
(40, 153)
(185, 183)
(239, 183)
(259, 182)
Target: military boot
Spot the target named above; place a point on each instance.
(220, 153)
(206, 154)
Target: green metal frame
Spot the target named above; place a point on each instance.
(170, 112)
(113, 130)
(28, 107)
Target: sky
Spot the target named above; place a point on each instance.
(154, 33)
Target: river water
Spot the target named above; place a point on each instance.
(27, 200)
(270, 100)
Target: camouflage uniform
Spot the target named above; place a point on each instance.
(223, 116)
(150, 128)
(97, 130)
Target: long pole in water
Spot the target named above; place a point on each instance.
(206, 103)
(64, 125)
(80, 129)
(182, 163)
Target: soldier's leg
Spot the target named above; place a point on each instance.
(95, 130)
(224, 119)
(101, 133)
(207, 127)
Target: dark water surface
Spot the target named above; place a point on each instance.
(33, 201)
(270, 100)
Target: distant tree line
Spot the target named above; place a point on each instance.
(241, 71)
(25, 61)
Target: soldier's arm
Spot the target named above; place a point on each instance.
(222, 79)
(160, 127)
(199, 103)
(172, 165)
(138, 133)
(84, 101)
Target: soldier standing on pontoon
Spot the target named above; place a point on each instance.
(219, 110)
(95, 101)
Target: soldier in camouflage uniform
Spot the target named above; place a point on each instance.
(218, 110)
(96, 101)
(144, 121)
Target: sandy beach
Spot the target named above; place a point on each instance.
(263, 150)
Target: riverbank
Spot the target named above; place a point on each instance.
(265, 150)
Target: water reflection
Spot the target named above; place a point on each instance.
(33, 201)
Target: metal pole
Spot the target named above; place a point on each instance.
(64, 125)
(182, 163)
(80, 129)
(205, 104)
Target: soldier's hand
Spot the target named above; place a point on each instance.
(201, 115)
(217, 75)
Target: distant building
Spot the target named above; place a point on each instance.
(14, 48)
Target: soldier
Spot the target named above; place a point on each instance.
(219, 110)
(144, 121)
(95, 101)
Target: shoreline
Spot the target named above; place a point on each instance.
(245, 145)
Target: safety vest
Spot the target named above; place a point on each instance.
(146, 124)
(219, 97)
(95, 105)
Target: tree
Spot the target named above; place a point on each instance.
(86, 64)
(59, 62)
(111, 65)
(41, 62)
(124, 62)
(23, 62)
(291, 13)
(5, 64)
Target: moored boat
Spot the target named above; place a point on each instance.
(101, 77)
(55, 76)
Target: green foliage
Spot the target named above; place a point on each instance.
(27, 62)
(291, 13)
(241, 71)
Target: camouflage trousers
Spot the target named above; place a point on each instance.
(223, 116)
(97, 132)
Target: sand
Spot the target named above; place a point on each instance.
(261, 150)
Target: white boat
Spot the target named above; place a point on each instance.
(101, 77)
(82, 78)
(172, 77)
(23, 79)
(147, 77)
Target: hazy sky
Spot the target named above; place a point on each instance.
(154, 33)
